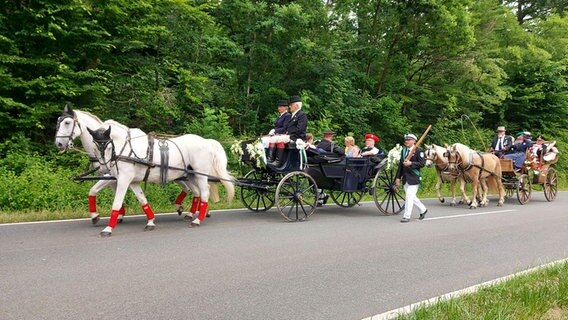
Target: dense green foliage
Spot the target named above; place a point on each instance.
(217, 68)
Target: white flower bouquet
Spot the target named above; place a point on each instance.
(393, 156)
(236, 149)
(256, 153)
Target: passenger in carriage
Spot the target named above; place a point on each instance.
(370, 149)
(295, 129)
(502, 142)
(351, 149)
(544, 150)
(519, 149)
(281, 122)
(280, 126)
(327, 144)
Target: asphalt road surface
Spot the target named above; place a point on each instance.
(341, 264)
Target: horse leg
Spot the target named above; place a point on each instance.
(453, 191)
(93, 198)
(483, 191)
(121, 188)
(201, 183)
(475, 185)
(439, 187)
(465, 198)
(145, 206)
(181, 196)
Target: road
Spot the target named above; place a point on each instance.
(341, 264)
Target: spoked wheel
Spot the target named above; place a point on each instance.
(389, 200)
(524, 189)
(551, 184)
(346, 199)
(296, 196)
(257, 199)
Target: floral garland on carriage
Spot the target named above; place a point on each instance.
(253, 150)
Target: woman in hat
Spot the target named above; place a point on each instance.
(284, 116)
(370, 149)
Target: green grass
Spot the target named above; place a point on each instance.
(542, 294)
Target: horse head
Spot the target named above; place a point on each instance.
(67, 129)
(458, 156)
(436, 155)
(105, 151)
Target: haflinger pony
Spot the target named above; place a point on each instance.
(132, 159)
(481, 168)
(73, 124)
(436, 155)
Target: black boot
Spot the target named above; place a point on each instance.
(278, 159)
(270, 154)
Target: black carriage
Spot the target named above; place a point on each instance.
(298, 183)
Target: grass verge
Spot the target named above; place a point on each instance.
(542, 294)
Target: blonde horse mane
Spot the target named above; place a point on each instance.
(89, 114)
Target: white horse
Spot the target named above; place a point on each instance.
(131, 160)
(73, 124)
(480, 168)
(436, 155)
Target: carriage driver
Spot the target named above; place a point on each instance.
(409, 171)
(296, 129)
(502, 143)
(280, 126)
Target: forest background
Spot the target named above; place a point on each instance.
(217, 69)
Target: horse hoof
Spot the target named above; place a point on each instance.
(149, 228)
(442, 200)
(187, 218)
(120, 220)
(95, 220)
(194, 225)
(453, 204)
(208, 215)
(179, 211)
(105, 234)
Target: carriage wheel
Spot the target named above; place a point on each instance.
(346, 199)
(551, 184)
(389, 200)
(296, 196)
(524, 189)
(256, 199)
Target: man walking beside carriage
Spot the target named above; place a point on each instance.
(411, 161)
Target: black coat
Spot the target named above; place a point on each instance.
(330, 146)
(281, 123)
(297, 126)
(411, 174)
(507, 143)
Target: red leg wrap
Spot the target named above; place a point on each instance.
(194, 204)
(113, 219)
(180, 197)
(92, 203)
(202, 210)
(122, 210)
(148, 211)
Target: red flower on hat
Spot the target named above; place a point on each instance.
(372, 136)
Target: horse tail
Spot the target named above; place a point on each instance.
(220, 163)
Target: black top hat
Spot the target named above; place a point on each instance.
(294, 99)
(282, 103)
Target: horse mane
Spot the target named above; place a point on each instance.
(90, 115)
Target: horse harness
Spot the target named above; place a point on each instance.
(148, 161)
(459, 162)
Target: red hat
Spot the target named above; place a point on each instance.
(372, 136)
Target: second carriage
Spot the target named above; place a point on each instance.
(303, 180)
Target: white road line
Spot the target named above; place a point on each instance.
(432, 301)
(469, 214)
